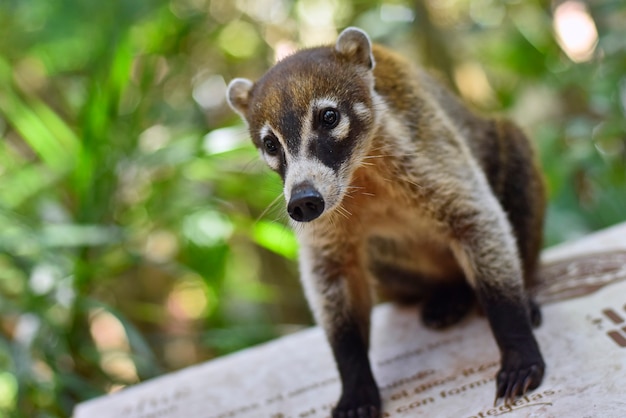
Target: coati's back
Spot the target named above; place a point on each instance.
(500, 148)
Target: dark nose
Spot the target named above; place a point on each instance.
(305, 204)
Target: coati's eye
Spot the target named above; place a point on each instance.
(270, 144)
(329, 117)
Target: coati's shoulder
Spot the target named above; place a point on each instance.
(499, 146)
(396, 79)
(408, 88)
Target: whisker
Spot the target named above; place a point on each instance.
(342, 214)
(297, 227)
(357, 189)
(367, 157)
(280, 216)
(413, 183)
(269, 207)
(346, 211)
(408, 154)
(331, 219)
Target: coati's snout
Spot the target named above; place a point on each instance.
(305, 204)
(312, 189)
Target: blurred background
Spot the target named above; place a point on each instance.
(140, 234)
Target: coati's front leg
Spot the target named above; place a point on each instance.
(522, 366)
(486, 249)
(360, 397)
(340, 298)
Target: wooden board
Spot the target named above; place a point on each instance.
(424, 373)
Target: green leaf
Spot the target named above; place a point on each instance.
(275, 237)
(43, 131)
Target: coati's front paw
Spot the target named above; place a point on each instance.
(359, 404)
(519, 374)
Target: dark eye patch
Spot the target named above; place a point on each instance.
(329, 150)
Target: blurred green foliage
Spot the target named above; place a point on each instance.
(139, 233)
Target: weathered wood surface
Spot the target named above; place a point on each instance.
(423, 372)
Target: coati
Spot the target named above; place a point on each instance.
(393, 185)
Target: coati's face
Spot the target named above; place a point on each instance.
(311, 117)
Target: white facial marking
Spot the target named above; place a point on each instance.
(324, 103)
(342, 129)
(311, 170)
(361, 110)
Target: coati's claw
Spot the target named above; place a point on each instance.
(368, 411)
(516, 382)
(363, 404)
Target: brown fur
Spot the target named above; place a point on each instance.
(420, 196)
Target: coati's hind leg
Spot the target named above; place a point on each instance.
(446, 304)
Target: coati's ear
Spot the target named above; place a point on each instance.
(355, 44)
(238, 95)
